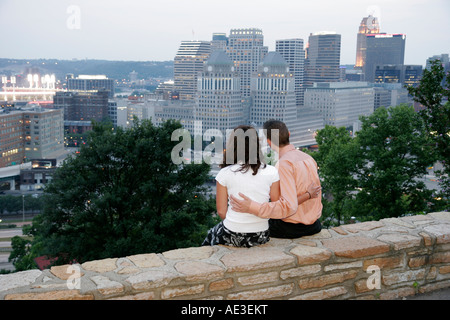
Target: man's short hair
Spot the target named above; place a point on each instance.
(283, 132)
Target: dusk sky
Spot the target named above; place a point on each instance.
(152, 30)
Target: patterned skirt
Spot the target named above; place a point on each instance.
(219, 234)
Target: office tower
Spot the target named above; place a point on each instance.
(294, 54)
(388, 73)
(80, 106)
(273, 96)
(341, 103)
(188, 62)
(390, 94)
(43, 132)
(444, 58)
(219, 100)
(30, 133)
(322, 58)
(246, 49)
(383, 49)
(409, 75)
(12, 149)
(368, 25)
(219, 41)
(87, 83)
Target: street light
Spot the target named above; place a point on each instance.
(23, 208)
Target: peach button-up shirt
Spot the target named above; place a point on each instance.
(296, 170)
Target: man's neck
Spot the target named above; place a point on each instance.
(282, 150)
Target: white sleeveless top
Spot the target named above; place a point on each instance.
(256, 187)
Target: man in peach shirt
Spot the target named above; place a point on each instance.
(299, 207)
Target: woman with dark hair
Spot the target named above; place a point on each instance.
(243, 170)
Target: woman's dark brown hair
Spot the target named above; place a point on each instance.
(243, 148)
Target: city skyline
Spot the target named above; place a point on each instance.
(153, 31)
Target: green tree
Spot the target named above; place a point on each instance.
(122, 195)
(433, 93)
(395, 152)
(337, 158)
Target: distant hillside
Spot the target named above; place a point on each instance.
(112, 69)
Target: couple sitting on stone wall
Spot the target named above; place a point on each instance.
(245, 184)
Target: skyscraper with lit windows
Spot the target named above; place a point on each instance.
(219, 101)
(188, 62)
(294, 54)
(246, 49)
(368, 25)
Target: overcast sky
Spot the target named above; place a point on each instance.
(152, 30)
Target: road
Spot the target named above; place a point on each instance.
(9, 233)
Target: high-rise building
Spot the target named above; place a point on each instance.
(409, 75)
(341, 103)
(368, 25)
(246, 49)
(383, 49)
(84, 106)
(30, 133)
(273, 97)
(219, 101)
(444, 58)
(44, 132)
(219, 41)
(294, 54)
(88, 83)
(188, 62)
(390, 94)
(323, 55)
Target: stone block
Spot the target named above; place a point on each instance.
(405, 276)
(100, 266)
(401, 241)
(343, 266)
(221, 285)
(440, 231)
(138, 296)
(18, 279)
(362, 226)
(355, 246)
(443, 216)
(198, 270)
(300, 271)
(310, 255)
(322, 294)
(51, 295)
(326, 279)
(262, 294)
(248, 259)
(397, 293)
(384, 262)
(106, 286)
(65, 272)
(440, 257)
(149, 260)
(258, 278)
(151, 279)
(195, 253)
(169, 293)
(427, 239)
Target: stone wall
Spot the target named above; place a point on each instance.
(386, 259)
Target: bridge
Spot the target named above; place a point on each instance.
(11, 173)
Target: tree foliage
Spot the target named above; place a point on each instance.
(433, 94)
(122, 195)
(395, 152)
(375, 175)
(337, 158)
